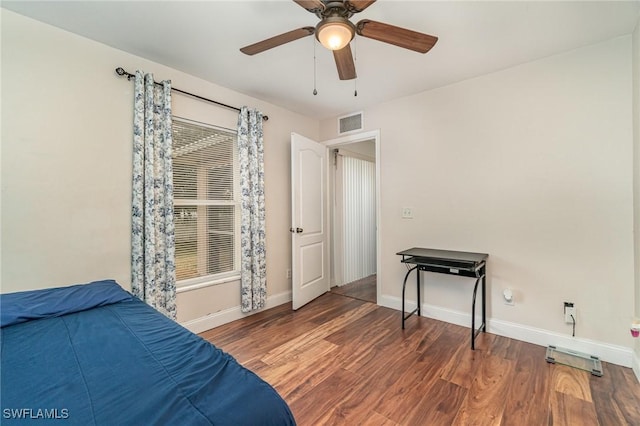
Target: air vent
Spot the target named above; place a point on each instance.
(350, 123)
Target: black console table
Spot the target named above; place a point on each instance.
(460, 263)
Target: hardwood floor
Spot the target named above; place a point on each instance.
(343, 361)
(363, 289)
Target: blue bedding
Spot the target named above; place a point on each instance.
(94, 354)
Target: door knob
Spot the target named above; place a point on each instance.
(296, 230)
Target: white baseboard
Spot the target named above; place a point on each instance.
(636, 365)
(219, 318)
(614, 354)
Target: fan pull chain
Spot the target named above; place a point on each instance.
(315, 92)
(355, 61)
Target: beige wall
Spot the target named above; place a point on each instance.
(66, 163)
(533, 165)
(366, 148)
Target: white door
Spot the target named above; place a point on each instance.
(309, 242)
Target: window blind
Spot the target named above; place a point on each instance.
(206, 209)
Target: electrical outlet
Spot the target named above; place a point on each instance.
(407, 213)
(569, 313)
(507, 295)
(288, 273)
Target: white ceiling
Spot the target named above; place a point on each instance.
(202, 39)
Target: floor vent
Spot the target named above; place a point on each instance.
(350, 123)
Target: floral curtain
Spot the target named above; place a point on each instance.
(153, 234)
(252, 233)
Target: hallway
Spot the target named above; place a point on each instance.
(362, 289)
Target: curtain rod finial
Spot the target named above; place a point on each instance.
(120, 71)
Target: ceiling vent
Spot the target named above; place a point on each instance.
(350, 123)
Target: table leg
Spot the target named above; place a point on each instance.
(404, 286)
(473, 315)
(483, 326)
(418, 289)
(484, 303)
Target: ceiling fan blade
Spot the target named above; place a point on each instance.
(359, 5)
(397, 36)
(344, 63)
(311, 5)
(276, 41)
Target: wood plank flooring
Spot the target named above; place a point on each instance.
(363, 289)
(343, 361)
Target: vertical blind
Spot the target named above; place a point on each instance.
(359, 192)
(205, 179)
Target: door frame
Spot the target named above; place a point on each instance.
(344, 141)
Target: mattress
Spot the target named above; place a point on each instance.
(94, 354)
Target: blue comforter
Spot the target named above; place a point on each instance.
(94, 354)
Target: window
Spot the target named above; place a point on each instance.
(206, 204)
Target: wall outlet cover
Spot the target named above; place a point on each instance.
(568, 312)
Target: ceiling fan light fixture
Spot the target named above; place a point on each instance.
(335, 33)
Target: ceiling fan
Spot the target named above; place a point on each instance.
(335, 32)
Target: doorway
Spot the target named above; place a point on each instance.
(362, 289)
(354, 208)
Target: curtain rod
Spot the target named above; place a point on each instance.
(121, 72)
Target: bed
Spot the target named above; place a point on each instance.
(94, 354)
